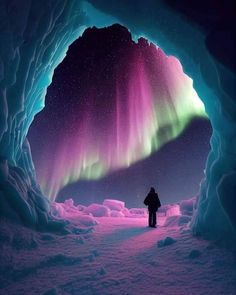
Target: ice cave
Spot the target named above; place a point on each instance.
(95, 249)
(34, 39)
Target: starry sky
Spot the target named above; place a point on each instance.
(119, 116)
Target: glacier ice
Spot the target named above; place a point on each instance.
(34, 38)
(98, 210)
(114, 204)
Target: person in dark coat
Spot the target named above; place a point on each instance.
(153, 203)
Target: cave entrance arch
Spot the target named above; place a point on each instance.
(32, 51)
(114, 107)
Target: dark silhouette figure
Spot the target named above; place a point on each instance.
(153, 203)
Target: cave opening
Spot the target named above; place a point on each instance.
(33, 45)
(52, 248)
(119, 117)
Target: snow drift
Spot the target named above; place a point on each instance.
(71, 212)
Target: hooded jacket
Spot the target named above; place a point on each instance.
(152, 201)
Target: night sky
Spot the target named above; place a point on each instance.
(120, 116)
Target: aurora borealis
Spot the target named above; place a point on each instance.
(112, 102)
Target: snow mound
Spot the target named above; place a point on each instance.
(186, 206)
(138, 212)
(114, 204)
(66, 210)
(163, 209)
(98, 210)
(87, 220)
(126, 212)
(75, 214)
(173, 210)
(177, 220)
(115, 213)
(169, 210)
(166, 242)
(81, 207)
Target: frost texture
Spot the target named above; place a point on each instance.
(34, 38)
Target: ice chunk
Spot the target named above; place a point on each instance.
(87, 220)
(138, 212)
(173, 210)
(163, 209)
(98, 210)
(114, 204)
(72, 213)
(81, 207)
(126, 212)
(115, 213)
(169, 210)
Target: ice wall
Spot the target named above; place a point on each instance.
(34, 36)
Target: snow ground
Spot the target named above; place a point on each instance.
(117, 256)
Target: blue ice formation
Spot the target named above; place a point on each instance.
(33, 40)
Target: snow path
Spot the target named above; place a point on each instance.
(120, 256)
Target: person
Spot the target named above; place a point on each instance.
(153, 203)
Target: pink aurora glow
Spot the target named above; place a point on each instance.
(148, 101)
